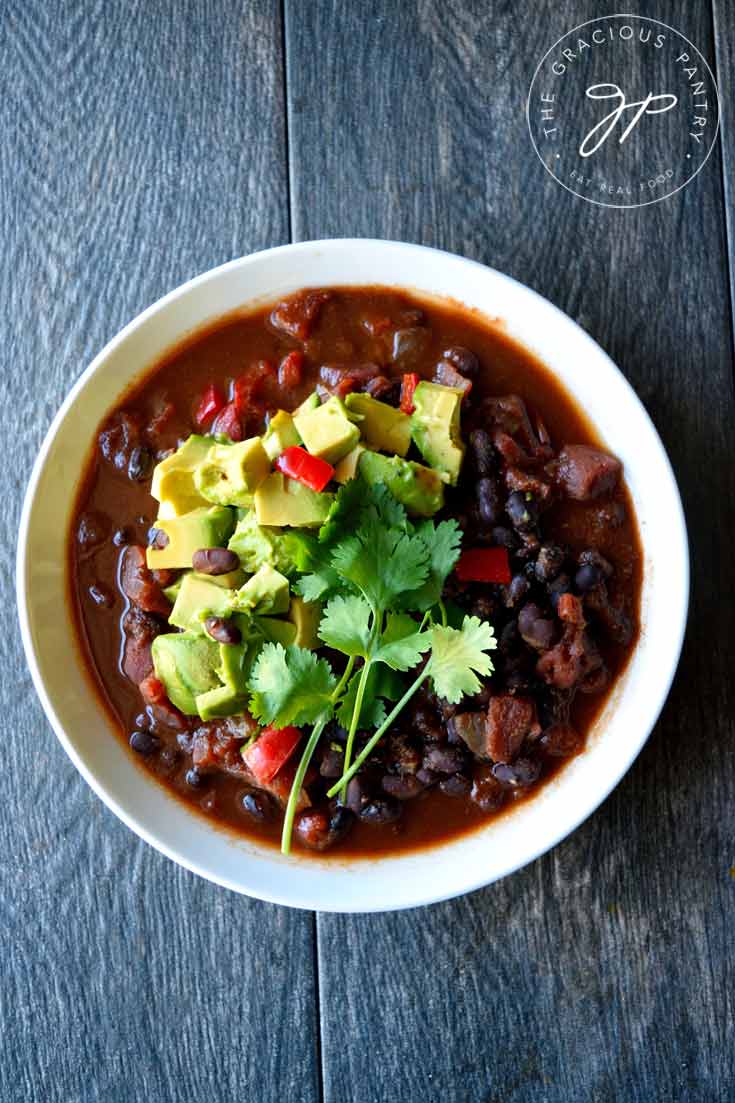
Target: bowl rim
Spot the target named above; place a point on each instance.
(21, 576)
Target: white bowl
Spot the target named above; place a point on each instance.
(405, 880)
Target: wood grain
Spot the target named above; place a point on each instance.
(142, 144)
(602, 972)
(724, 51)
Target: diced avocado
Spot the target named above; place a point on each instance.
(173, 478)
(266, 592)
(280, 435)
(256, 545)
(309, 403)
(186, 664)
(206, 527)
(305, 615)
(230, 581)
(346, 469)
(382, 426)
(235, 659)
(327, 431)
(280, 501)
(199, 597)
(229, 473)
(222, 701)
(172, 591)
(419, 488)
(277, 631)
(435, 428)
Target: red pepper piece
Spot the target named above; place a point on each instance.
(484, 565)
(290, 369)
(309, 470)
(270, 751)
(408, 386)
(212, 402)
(228, 422)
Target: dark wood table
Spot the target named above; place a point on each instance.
(143, 143)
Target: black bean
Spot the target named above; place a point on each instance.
(340, 822)
(522, 510)
(587, 577)
(549, 562)
(463, 360)
(425, 723)
(144, 743)
(402, 787)
(520, 775)
(222, 630)
(591, 556)
(515, 591)
(489, 505)
(483, 607)
(257, 805)
(92, 530)
(358, 793)
(427, 777)
(332, 763)
(139, 464)
(483, 452)
(445, 760)
(487, 792)
(193, 778)
(214, 561)
(157, 538)
(504, 537)
(120, 538)
(457, 785)
(536, 630)
(143, 721)
(562, 584)
(381, 810)
(100, 595)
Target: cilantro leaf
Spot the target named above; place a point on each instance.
(345, 625)
(381, 562)
(382, 684)
(402, 643)
(442, 542)
(290, 686)
(458, 656)
(317, 585)
(344, 511)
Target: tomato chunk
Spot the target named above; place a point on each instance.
(228, 422)
(309, 470)
(408, 386)
(212, 402)
(270, 752)
(290, 369)
(247, 388)
(484, 565)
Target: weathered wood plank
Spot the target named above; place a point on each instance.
(601, 971)
(724, 36)
(141, 145)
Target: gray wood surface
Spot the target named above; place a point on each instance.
(143, 143)
(601, 972)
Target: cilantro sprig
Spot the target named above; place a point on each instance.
(378, 573)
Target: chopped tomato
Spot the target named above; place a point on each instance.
(484, 565)
(270, 752)
(290, 369)
(228, 422)
(247, 387)
(309, 470)
(408, 386)
(152, 691)
(212, 402)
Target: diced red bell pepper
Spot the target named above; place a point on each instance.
(290, 369)
(484, 565)
(309, 470)
(270, 751)
(228, 422)
(408, 386)
(212, 402)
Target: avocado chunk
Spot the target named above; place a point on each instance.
(266, 592)
(346, 469)
(382, 426)
(229, 473)
(305, 616)
(420, 489)
(256, 545)
(281, 501)
(186, 665)
(435, 428)
(309, 403)
(327, 430)
(206, 527)
(235, 659)
(280, 435)
(277, 631)
(222, 701)
(173, 478)
(198, 598)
